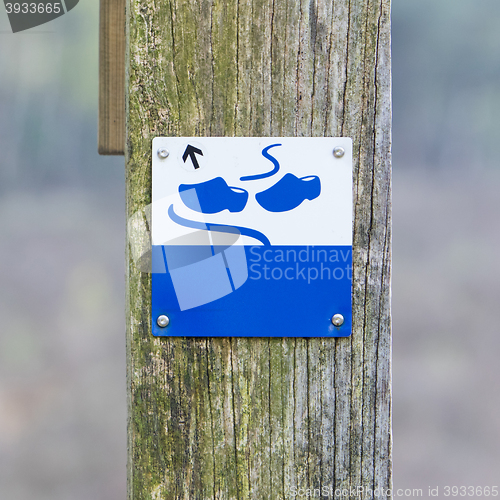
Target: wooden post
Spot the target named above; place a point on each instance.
(111, 134)
(262, 418)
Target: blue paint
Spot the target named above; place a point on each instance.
(202, 273)
(217, 227)
(274, 161)
(289, 192)
(213, 196)
(277, 291)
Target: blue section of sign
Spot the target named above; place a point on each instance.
(253, 291)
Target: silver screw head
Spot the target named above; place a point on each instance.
(338, 320)
(162, 321)
(338, 152)
(163, 152)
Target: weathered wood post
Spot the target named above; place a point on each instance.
(238, 418)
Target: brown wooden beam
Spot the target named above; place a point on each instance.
(111, 134)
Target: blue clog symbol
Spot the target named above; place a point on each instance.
(213, 196)
(289, 192)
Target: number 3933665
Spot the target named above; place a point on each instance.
(33, 8)
(470, 491)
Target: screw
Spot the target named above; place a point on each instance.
(338, 152)
(338, 320)
(163, 152)
(162, 321)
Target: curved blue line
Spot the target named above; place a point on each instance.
(217, 227)
(267, 174)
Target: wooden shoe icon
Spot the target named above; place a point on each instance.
(213, 196)
(289, 192)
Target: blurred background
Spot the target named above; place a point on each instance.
(62, 342)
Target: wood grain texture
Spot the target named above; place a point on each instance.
(111, 133)
(259, 418)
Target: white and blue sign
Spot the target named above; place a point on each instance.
(252, 237)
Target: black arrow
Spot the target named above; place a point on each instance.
(192, 152)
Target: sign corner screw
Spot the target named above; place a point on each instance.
(163, 152)
(338, 320)
(163, 321)
(338, 152)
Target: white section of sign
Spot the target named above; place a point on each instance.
(269, 208)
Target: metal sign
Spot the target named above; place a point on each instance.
(252, 237)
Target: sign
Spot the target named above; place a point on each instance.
(252, 236)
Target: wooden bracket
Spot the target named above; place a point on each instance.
(111, 134)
